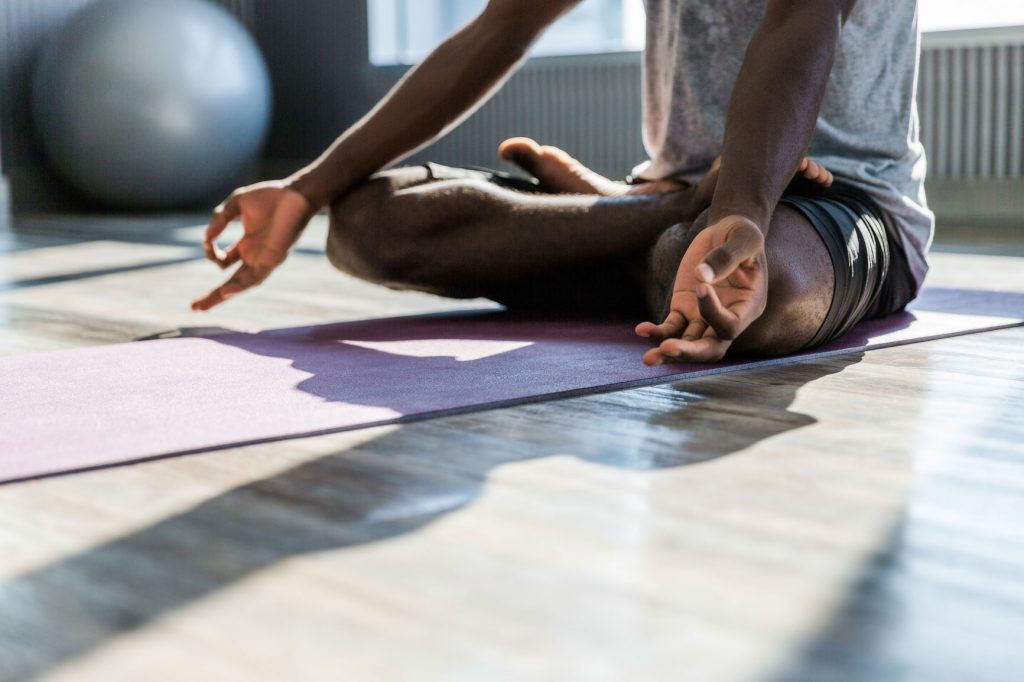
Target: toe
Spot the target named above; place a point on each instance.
(556, 169)
(515, 148)
(559, 156)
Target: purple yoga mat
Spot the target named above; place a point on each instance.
(93, 407)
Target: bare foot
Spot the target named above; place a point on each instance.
(556, 170)
(559, 172)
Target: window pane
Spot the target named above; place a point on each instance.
(404, 31)
(946, 15)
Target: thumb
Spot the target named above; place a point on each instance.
(743, 241)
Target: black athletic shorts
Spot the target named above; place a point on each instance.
(495, 177)
(872, 276)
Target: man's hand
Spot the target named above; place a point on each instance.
(273, 216)
(721, 288)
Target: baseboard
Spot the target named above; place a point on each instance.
(983, 203)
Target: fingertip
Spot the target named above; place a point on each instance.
(705, 272)
(201, 305)
(653, 358)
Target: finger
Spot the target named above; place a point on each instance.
(726, 323)
(231, 256)
(214, 298)
(820, 174)
(742, 244)
(244, 278)
(704, 349)
(222, 216)
(645, 329)
(695, 330)
(672, 327)
(653, 357)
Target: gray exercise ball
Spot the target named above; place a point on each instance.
(151, 103)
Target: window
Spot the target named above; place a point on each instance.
(948, 15)
(405, 31)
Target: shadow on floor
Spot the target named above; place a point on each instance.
(942, 599)
(911, 615)
(381, 489)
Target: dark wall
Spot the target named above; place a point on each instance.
(316, 51)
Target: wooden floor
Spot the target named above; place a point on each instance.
(856, 518)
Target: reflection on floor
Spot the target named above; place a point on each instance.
(858, 518)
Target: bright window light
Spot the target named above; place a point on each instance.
(951, 15)
(405, 31)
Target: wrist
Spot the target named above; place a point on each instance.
(725, 213)
(311, 185)
(743, 204)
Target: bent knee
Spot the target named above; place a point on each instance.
(801, 282)
(789, 323)
(358, 237)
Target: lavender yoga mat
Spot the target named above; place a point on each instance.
(92, 407)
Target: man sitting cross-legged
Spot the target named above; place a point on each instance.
(759, 252)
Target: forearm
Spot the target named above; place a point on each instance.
(775, 106)
(431, 99)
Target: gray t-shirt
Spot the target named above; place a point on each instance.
(867, 131)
